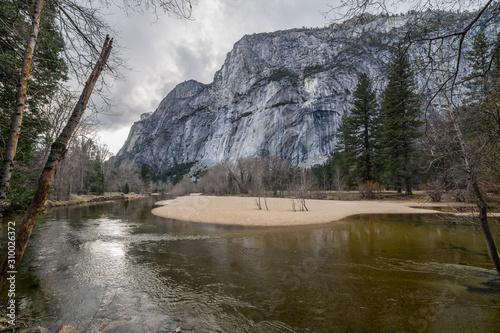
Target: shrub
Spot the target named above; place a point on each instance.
(368, 189)
(18, 200)
(433, 189)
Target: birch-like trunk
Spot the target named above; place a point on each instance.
(474, 191)
(57, 151)
(17, 119)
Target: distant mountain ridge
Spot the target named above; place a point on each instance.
(281, 93)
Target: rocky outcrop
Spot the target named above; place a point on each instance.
(280, 93)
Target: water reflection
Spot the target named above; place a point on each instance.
(118, 264)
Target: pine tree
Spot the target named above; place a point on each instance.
(48, 70)
(359, 134)
(126, 189)
(145, 175)
(480, 111)
(400, 111)
(477, 85)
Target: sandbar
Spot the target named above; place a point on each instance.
(244, 211)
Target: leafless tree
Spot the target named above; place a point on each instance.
(242, 172)
(125, 173)
(57, 152)
(184, 187)
(215, 181)
(471, 166)
(83, 29)
(300, 189)
(257, 187)
(276, 173)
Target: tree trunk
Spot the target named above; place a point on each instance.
(483, 218)
(474, 191)
(408, 190)
(17, 119)
(57, 151)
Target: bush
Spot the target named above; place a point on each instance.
(368, 189)
(433, 189)
(18, 200)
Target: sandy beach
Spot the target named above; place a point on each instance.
(244, 211)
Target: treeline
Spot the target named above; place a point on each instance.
(260, 177)
(85, 169)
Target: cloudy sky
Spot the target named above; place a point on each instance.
(164, 52)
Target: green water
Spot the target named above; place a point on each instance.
(119, 265)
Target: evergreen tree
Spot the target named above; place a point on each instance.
(480, 113)
(477, 85)
(49, 69)
(359, 134)
(400, 111)
(145, 175)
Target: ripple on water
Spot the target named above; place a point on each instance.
(156, 275)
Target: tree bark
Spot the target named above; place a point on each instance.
(474, 191)
(483, 218)
(57, 151)
(17, 119)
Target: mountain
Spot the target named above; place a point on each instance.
(281, 93)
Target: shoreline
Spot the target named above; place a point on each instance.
(243, 211)
(91, 199)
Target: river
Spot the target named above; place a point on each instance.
(118, 267)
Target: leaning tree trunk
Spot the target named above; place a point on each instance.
(17, 119)
(474, 191)
(483, 219)
(57, 151)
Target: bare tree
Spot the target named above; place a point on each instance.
(471, 167)
(300, 189)
(83, 30)
(339, 182)
(184, 187)
(242, 172)
(258, 189)
(215, 181)
(118, 177)
(275, 174)
(56, 154)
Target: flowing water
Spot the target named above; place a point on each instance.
(117, 266)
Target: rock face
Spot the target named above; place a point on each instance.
(280, 93)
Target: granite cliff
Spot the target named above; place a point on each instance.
(281, 93)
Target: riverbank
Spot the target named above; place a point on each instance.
(244, 211)
(87, 199)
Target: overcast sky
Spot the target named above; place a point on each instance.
(164, 52)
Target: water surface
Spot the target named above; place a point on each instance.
(117, 264)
